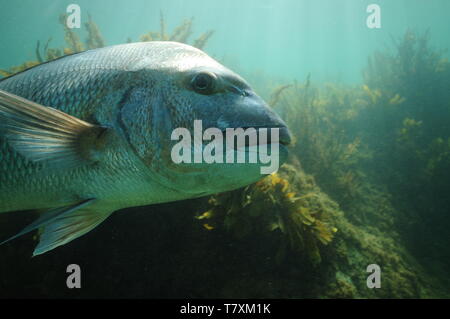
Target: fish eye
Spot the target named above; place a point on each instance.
(204, 83)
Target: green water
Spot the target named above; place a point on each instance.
(369, 109)
(286, 38)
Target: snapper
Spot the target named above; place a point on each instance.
(90, 133)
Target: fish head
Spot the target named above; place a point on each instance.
(191, 93)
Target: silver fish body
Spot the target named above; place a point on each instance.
(137, 93)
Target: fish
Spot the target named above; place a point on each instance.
(88, 134)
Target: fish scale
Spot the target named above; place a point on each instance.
(88, 134)
(64, 85)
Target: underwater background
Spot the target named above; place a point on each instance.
(367, 181)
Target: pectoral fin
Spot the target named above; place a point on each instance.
(67, 228)
(42, 133)
(62, 225)
(49, 216)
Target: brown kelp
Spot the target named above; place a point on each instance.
(382, 149)
(367, 177)
(94, 39)
(327, 146)
(181, 33)
(409, 133)
(288, 202)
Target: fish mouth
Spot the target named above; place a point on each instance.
(284, 137)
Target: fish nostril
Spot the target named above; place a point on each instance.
(242, 92)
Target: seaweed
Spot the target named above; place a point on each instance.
(288, 202)
(181, 33)
(71, 37)
(366, 180)
(321, 122)
(94, 40)
(201, 41)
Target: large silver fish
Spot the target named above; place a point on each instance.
(90, 133)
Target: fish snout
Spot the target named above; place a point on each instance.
(263, 116)
(285, 136)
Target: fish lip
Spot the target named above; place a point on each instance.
(284, 137)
